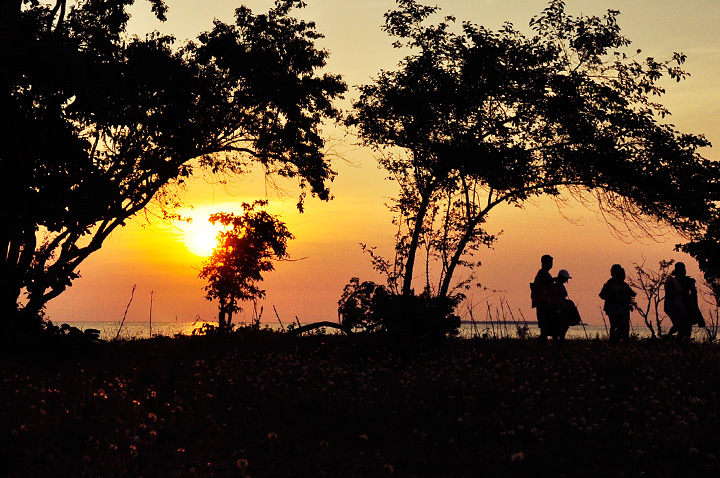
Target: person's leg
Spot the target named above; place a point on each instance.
(625, 331)
(563, 329)
(542, 323)
(674, 327)
(613, 328)
(554, 323)
(686, 331)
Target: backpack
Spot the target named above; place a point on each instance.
(570, 313)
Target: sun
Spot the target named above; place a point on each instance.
(202, 240)
(200, 237)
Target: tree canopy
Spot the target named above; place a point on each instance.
(98, 122)
(244, 252)
(473, 118)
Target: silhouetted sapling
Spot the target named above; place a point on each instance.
(243, 253)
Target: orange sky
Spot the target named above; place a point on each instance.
(156, 258)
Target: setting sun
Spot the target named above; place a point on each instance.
(198, 235)
(201, 240)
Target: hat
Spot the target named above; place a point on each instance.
(564, 273)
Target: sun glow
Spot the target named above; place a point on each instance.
(202, 240)
(199, 236)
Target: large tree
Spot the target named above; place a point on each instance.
(98, 122)
(472, 119)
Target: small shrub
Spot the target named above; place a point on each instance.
(359, 305)
(371, 307)
(523, 332)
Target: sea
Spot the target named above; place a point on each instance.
(490, 330)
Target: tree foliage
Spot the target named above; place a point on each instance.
(98, 123)
(358, 305)
(244, 252)
(705, 248)
(370, 307)
(473, 119)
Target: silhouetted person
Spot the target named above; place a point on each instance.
(690, 299)
(543, 296)
(618, 297)
(562, 303)
(681, 303)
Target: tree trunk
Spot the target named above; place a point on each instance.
(415, 240)
(222, 314)
(444, 289)
(228, 324)
(18, 250)
(8, 307)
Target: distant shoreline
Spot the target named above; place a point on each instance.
(499, 322)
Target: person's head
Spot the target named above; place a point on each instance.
(617, 272)
(563, 275)
(680, 270)
(547, 262)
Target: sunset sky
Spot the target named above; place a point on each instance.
(157, 257)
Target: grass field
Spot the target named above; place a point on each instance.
(263, 404)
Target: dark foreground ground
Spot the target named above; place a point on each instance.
(264, 404)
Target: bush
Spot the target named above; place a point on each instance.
(371, 307)
(419, 316)
(359, 305)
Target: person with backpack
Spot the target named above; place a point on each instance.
(681, 302)
(543, 293)
(567, 311)
(618, 297)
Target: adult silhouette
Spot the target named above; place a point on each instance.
(681, 302)
(618, 297)
(543, 295)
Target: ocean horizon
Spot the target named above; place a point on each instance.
(110, 330)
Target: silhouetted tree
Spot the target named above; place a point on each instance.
(476, 119)
(705, 248)
(97, 123)
(242, 255)
(651, 284)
